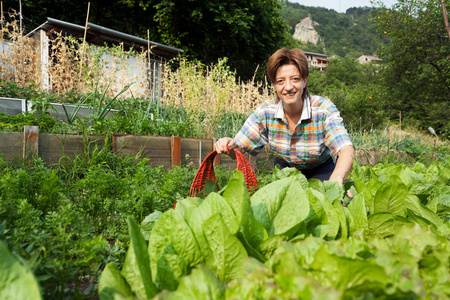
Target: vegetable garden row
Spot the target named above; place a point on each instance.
(292, 238)
(295, 238)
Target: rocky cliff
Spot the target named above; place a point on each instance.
(305, 32)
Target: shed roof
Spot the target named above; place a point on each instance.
(323, 56)
(371, 57)
(98, 35)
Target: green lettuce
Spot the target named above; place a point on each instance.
(16, 279)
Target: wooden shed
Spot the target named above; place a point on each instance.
(145, 70)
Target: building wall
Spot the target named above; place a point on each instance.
(105, 67)
(317, 61)
(367, 59)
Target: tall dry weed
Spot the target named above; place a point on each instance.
(208, 92)
(17, 59)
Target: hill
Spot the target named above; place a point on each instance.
(343, 34)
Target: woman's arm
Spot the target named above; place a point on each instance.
(344, 164)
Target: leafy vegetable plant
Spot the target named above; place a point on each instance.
(229, 234)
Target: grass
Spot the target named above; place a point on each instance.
(399, 145)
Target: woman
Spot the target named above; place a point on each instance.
(302, 131)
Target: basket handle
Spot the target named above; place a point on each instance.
(206, 171)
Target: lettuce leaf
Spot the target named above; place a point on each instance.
(281, 207)
(345, 273)
(112, 284)
(251, 232)
(391, 197)
(136, 269)
(172, 231)
(16, 279)
(228, 251)
(357, 208)
(200, 284)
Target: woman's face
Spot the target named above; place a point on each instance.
(289, 85)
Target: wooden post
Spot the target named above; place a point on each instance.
(30, 141)
(375, 156)
(252, 161)
(176, 151)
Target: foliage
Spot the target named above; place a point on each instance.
(68, 220)
(45, 122)
(17, 281)
(417, 74)
(355, 89)
(101, 106)
(198, 101)
(47, 230)
(245, 32)
(372, 267)
(350, 34)
(288, 228)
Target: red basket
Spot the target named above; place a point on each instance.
(206, 171)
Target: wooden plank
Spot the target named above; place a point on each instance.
(11, 146)
(228, 162)
(264, 160)
(176, 151)
(197, 149)
(30, 142)
(156, 149)
(189, 151)
(52, 147)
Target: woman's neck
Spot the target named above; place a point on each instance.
(293, 114)
(293, 111)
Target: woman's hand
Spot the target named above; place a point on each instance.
(223, 145)
(343, 167)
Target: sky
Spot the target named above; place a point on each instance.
(342, 5)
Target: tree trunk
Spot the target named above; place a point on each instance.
(444, 12)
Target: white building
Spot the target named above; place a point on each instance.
(317, 60)
(364, 59)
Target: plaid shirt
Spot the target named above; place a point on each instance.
(319, 133)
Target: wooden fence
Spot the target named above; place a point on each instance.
(160, 151)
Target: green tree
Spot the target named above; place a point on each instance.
(342, 71)
(117, 15)
(356, 90)
(244, 31)
(418, 61)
